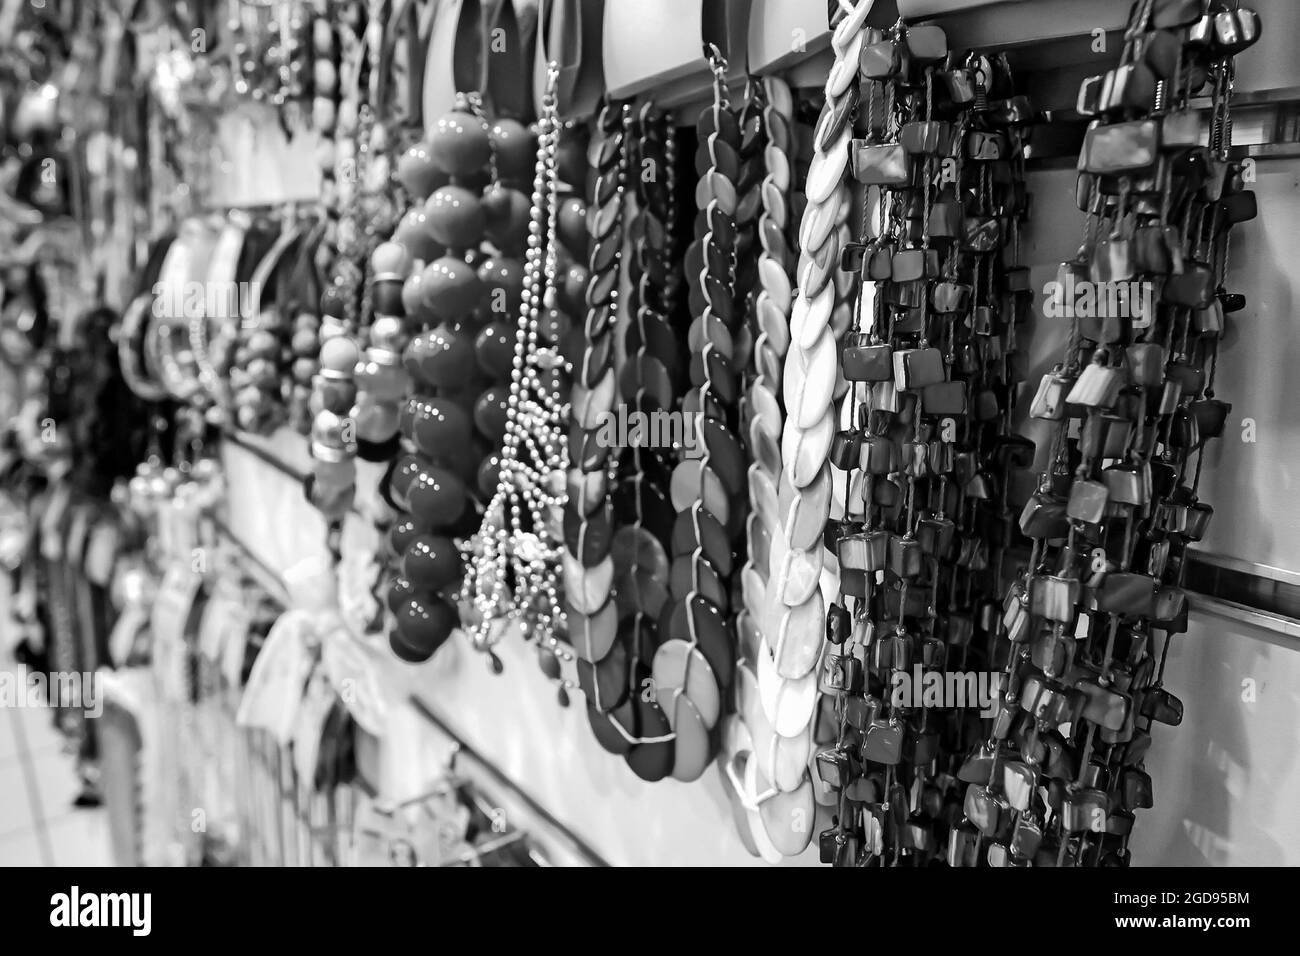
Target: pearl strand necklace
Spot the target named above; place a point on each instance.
(534, 455)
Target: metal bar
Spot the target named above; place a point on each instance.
(257, 451)
(1286, 630)
(545, 828)
(1242, 566)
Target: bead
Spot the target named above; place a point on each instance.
(401, 475)
(335, 475)
(447, 359)
(376, 420)
(413, 232)
(388, 334)
(431, 562)
(324, 76)
(263, 344)
(503, 279)
(455, 217)
(572, 224)
(436, 496)
(514, 148)
(418, 173)
(322, 36)
(423, 625)
(495, 348)
(490, 413)
(304, 368)
(338, 357)
(451, 288)
(324, 115)
(439, 427)
(333, 302)
(332, 437)
(489, 474)
(391, 260)
(459, 144)
(506, 211)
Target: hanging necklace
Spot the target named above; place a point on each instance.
(592, 618)
(636, 724)
(513, 559)
(259, 40)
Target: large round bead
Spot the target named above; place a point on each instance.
(413, 306)
(571, 157)
(456, 217)
(388, 333)
(516, 151)
(573, 292)
(423, 625)
(391, 260)
(399, 592)
(376, 420)
(459, 143)
(418, 173)
(447, 359)
(438, 427)
(495, 348)
(338, 357)
(507, 211)
(572, 223)
(503, 278)
(413, 232)
(490, 412)
(451, 288)
(402, 533)
(489, 474)
(403, 473)
(431, 562)
(436, 496)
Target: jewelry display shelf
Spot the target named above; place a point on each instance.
(534, 756)
(558, 845)
(539, 764)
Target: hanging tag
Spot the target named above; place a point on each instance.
(309, 723)
(279, 678)
(353, 674)
(171, 609)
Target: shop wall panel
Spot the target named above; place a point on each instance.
(513, 720)
(1227, 781)
(1251, 484)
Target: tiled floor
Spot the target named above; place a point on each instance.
(39, 826)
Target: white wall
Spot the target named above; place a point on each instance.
(1226, 781)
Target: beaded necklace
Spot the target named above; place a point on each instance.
(512, 560)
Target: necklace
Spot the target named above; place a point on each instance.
(513, 559)
(781, 644)
(616, 643)
(259, 39)
(1083, 685)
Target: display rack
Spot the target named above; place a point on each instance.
(557, 844)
